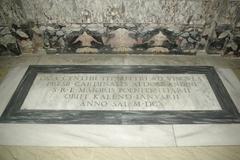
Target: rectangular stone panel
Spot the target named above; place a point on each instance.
(137, 94)
(121, 92)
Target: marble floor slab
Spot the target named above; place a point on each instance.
(213, 134)
(9, 85)
(80, 153)
(232, 84)
(25, 60)
(87, 135)
(207, 134)
(131, 136)
(83, 59)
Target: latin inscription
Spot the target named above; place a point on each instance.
(121, 92)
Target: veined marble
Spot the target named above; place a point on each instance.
(143, 92)
(115, 11)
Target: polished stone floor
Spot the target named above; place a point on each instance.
(185, 135)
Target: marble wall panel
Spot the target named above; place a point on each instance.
(115, 11)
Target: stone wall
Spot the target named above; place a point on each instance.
(115, 11)
(120, 26)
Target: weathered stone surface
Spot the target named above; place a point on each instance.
(122, 26)
(61, 42)
(191, 40)
(97, 28)
(114, 11)
(21, 34)
(107, 38)
(120, 38)
(3, 50)
(122, 50)
(185, 35)
(14, 49)
(26, 46)
(50, 30)
(183, 43)
(86, 50)
(42, 28)
(59, 33)
(157, 50)
(157, 40)
(74, 27)
(4, 40)
(4, 31)
(11, 12)
(37, 43)
(37, 30)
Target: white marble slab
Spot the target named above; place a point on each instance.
(87, 135)
(9, 85)
(213, 134)
(231, 83)
(207, 134)
(121, 92)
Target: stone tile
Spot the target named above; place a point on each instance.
(207, 134)
(9, 85)
(10, 62)
(232, 84)
(216, 61)
(85, 59)
(221, 62)
(169, 153)
(193, 153)
(3, 72)
(237, 72)
(162, 60)
(87, 135)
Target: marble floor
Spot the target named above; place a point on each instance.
(188, 142)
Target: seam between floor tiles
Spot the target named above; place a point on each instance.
(38, 60)
(174, 136)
